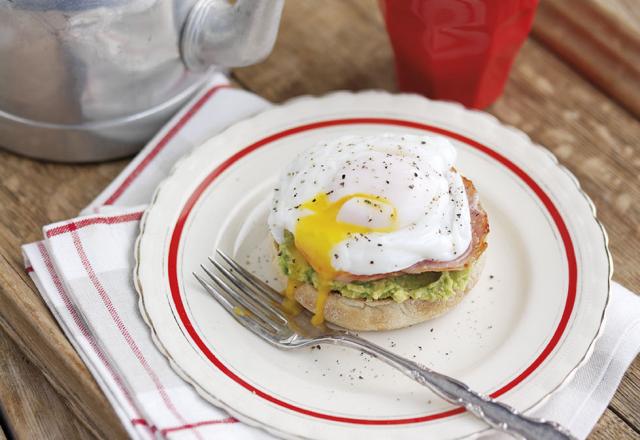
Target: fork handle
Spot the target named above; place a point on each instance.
(496, 414)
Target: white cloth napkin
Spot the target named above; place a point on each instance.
(83, 269)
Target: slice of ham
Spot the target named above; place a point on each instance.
(479, 231)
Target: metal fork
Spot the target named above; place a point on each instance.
(257, 307)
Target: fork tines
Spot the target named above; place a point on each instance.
(249, 300)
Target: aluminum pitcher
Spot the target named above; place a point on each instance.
(90, 80)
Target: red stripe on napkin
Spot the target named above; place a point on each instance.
(86, 333)
(143, 422)
(196, 425)
(166, 431)
(163, 142)
(73, 226)
(115, 316)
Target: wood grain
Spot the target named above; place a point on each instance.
(626, 401)
(33, 409)
(612, 427)
(33, 194)
(591, 36)
(341, 45)
(625, 11)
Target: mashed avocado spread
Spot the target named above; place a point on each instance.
(430, 286)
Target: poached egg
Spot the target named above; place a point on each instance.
(375, 204)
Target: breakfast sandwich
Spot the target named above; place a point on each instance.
(377, 232)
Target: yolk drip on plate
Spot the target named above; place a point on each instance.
(318, 233)
(289, 304)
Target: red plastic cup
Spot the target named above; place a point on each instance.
(458, 50)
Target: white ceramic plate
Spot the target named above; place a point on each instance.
(524, 329)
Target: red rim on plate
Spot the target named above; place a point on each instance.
(208, 181)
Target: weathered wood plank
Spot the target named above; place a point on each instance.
(626, 401)
(338, 45)
(591, 37)
(612, 427)
(33, 194)
(626, 11)
(33, 409)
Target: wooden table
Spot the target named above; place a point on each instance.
(571, 89)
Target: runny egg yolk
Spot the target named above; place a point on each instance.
(319, 232)
(289, 304)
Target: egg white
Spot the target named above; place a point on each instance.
(414, 174)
